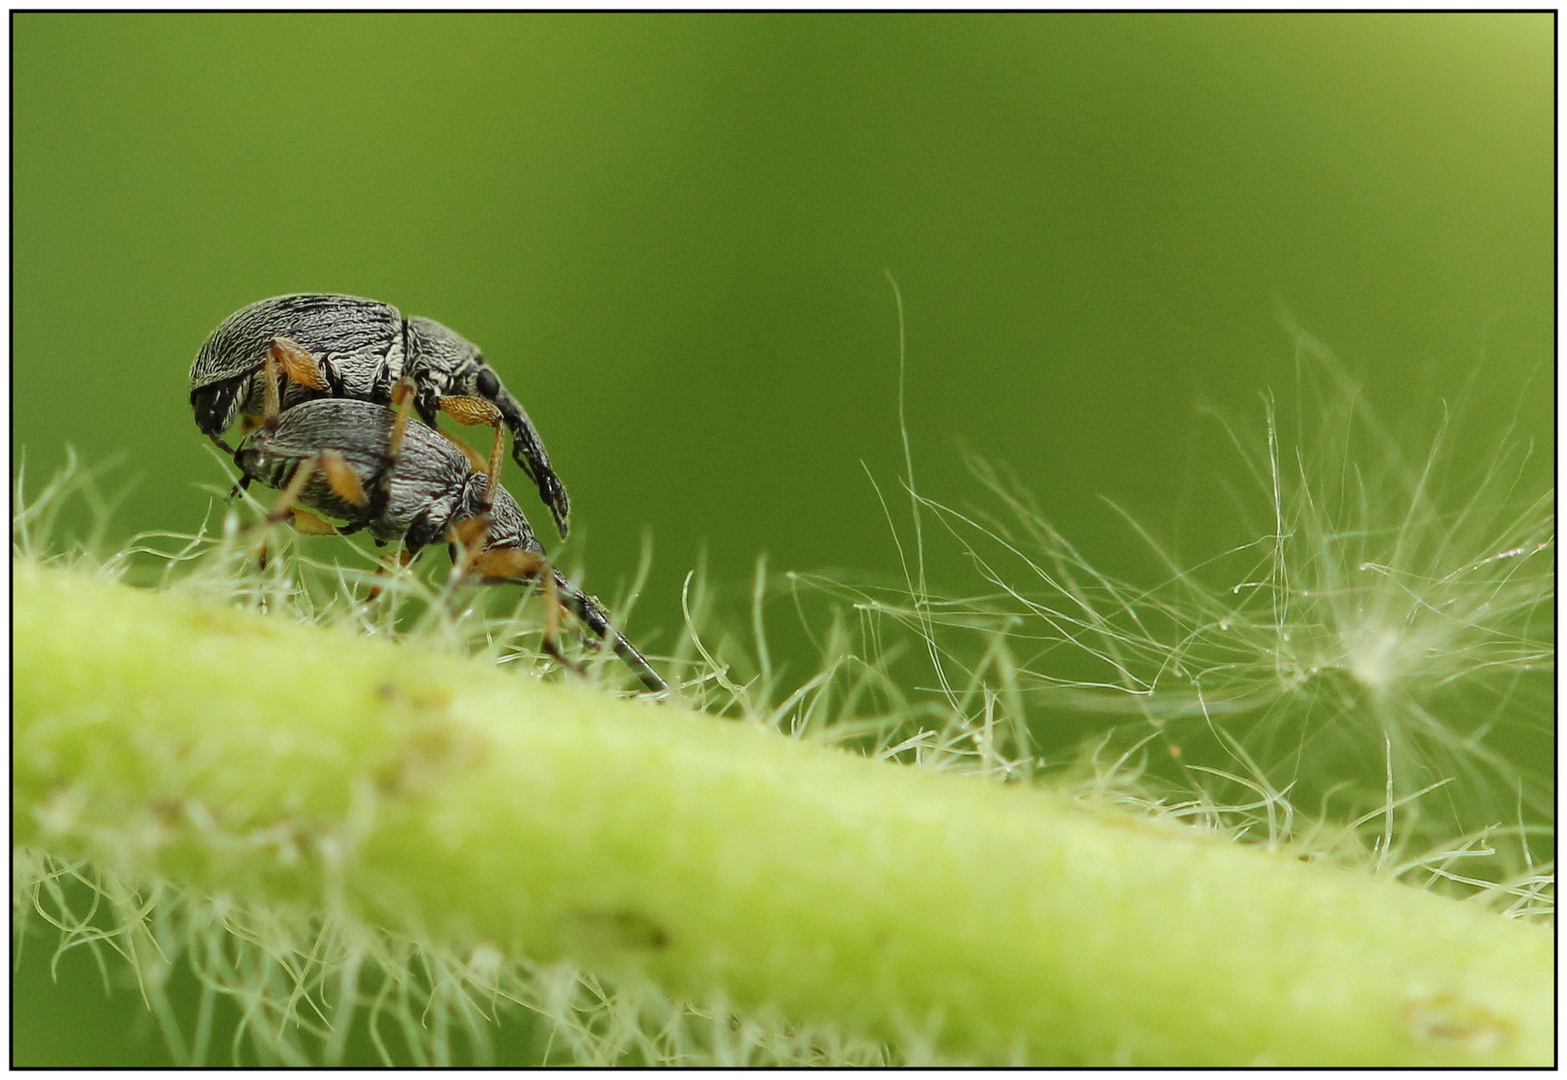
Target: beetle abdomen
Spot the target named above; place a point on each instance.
(425, 485)
(358, 344)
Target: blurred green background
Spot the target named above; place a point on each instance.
(671, 234)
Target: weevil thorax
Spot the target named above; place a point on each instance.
(357, 343)
(509, 528)
(442, 362)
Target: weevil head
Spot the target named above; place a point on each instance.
(508, 526)
(446, 364)
(443, 363)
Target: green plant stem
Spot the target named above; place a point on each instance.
(253, 756)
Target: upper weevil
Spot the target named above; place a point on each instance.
(360, 349)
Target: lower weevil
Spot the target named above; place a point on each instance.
(362, 463)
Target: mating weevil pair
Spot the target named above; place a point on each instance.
(325, 384)
(357, 348)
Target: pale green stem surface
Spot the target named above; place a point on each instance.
(427, 793)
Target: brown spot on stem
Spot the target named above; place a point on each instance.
(616, 930)
(1452, 1019)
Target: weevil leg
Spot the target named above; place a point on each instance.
(397, 560)
(467, 540)
(284, 506)
(476, 460)
(493, 475)
(551, 640)
(471, 411)
(307, 523)
(552, 616)
(296, 485)
(285, 359)
(297, 363)
(403, 402)
(476, 412)
(344, 481)
(515, 564)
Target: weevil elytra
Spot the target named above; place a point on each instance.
(341, 457)
(350, 347)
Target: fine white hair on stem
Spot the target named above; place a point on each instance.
(1376, 642)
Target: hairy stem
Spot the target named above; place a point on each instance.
(431, 794)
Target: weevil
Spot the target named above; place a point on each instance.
(349, 347)
(360, 462)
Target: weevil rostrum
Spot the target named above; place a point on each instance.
(337, 346)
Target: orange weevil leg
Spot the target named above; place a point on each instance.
(344, 481)
(310, 525)
(476, 460)
(474, 412)
(397, 560)
(297, 363)
(493, 475)
(467, 537)
(471, 411)
(552, 618)
(513, 564)
(296, 485)
(402, 404)
(402, 401)
(287, 359)
(284, 507)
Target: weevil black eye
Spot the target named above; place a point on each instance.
(489, 385)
